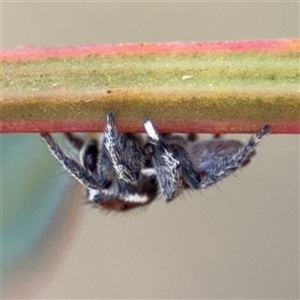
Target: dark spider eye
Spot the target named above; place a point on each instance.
(96, 198)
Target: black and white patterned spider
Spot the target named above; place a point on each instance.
(123, 171)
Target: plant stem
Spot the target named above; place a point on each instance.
(215, 87)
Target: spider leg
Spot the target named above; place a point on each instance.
(168, 168)
(82, 175)
(176, 143)
(74, 140)
(89, 158)
(89, 155)
(192, 137)
(224, 167)
(217, 136)
(190, 175)
(123, 152)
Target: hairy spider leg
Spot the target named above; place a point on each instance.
(168, 168)
(89, 155)
(124, 153)
(224, 167)
(75, 141)
(190, 176)
(79, 172)
(176, 144)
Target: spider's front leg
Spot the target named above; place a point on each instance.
(123, 151)
(176, 143)
(167, 167)
(173, 168)
(190, 176)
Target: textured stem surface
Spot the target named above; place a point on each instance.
(184, 87)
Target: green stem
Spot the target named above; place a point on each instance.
(183, 88)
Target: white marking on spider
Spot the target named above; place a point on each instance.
(149, 171)
(136, 198)
(92, 193)
(150, 130)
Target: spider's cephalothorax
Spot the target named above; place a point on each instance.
(123, 171)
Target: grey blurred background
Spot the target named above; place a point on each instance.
(237, 240)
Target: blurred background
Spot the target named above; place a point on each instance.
(237, 240)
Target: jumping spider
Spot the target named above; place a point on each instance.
(122, 171)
